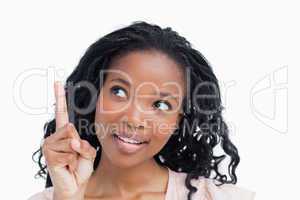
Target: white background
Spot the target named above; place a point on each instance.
(252, 47)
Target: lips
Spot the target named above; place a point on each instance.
(130, 138)
(127, 140)
(127, 146)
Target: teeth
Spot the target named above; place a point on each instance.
(128, 140)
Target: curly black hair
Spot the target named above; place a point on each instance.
(201, 129)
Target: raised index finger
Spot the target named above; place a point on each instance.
(61, 112)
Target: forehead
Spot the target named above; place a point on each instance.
(148, 69)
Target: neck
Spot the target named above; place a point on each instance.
(111, 180)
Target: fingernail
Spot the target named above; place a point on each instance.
(75, 144)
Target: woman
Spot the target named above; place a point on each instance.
(139, 118)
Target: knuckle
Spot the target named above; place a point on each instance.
(89, 148)
(46, 142)
(50, 159)
(94, 153)
(47, 152)
(68, 142)
(69, 129)
(62, 159)
(58, 130)
(44, 148)
(70, 157)
(69, 126)
(86, 145)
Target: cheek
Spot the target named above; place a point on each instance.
(161, 138)
(164, 128)
(103, 116)
(162, 131)
(107, 105)
(158, 141)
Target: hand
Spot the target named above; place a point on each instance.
(69, 159)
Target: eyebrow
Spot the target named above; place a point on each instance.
(122, 81)
(167, 94)
(161, 94)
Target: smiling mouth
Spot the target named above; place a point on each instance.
(128, 140)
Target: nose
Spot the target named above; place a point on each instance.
(134, 116)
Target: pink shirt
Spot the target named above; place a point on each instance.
(176, 190)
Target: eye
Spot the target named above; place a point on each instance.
(163, 105)
(119, 91)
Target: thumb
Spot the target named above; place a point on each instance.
(84, 149)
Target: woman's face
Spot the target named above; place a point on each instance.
(141, 102)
